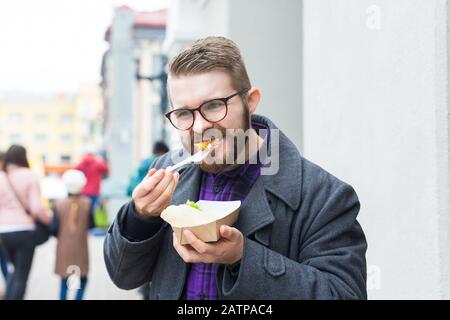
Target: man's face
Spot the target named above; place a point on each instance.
(191, 91)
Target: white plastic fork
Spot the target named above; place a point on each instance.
(195, 158)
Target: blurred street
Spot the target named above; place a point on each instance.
(44, 284)
(79, 121)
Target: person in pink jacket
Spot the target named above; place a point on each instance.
(3, 261)
(17, 224)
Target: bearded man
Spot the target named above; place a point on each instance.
(296, 236)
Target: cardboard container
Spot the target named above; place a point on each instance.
(205, 224)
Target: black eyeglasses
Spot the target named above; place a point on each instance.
(213, 111)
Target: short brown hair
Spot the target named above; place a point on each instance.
(212, 53)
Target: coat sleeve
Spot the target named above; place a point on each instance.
(330, 262)
(130, 262)
(132, 245)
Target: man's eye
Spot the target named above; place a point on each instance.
(182, 114)
(214, 105)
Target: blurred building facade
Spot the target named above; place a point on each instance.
(131, 70)
(54, 129)
(46, 127)
(89, 120)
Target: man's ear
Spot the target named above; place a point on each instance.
(253, 96)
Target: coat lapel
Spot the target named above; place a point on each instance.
(255, 211)
(188, 186)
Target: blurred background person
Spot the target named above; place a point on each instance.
(159, 148)
(2, 159)
(95, 169)
(20, 208)
(71, 224)
(3, 261)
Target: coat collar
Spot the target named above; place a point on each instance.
(286, 183)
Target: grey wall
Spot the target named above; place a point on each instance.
(376, 115)
(269, 35)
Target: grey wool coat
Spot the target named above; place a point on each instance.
(301, 238)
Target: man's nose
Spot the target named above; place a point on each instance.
(200, 124)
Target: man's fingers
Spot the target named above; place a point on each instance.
(178, 247)
(198, 245)
(166, 195)
(161, 187)
(148, 184)
(176, 175)
(188, 255)
(175, 240)
(173, 186)
(229, 233)
(164, 199)
(150, 172)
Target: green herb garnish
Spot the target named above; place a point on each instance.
(193, 205)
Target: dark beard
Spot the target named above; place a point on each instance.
(221, 167)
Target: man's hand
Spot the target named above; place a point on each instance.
(154, 193)
(227, 250)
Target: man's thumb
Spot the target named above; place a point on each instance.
(226, 232)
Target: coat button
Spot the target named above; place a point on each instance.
(217, 188)
(202, 296)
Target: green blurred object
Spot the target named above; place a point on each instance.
(101, 218)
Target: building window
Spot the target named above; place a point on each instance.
(66, 119)
(66, 138)
(15, 118)
(65, 159)
(40, 118)
(40, 138)
(15, 138)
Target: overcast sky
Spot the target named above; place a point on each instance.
(51, 46)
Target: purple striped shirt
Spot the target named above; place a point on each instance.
(225, 186)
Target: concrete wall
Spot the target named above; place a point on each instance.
(269, 35)
(375, 87)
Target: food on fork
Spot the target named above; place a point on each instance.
(207, 144)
